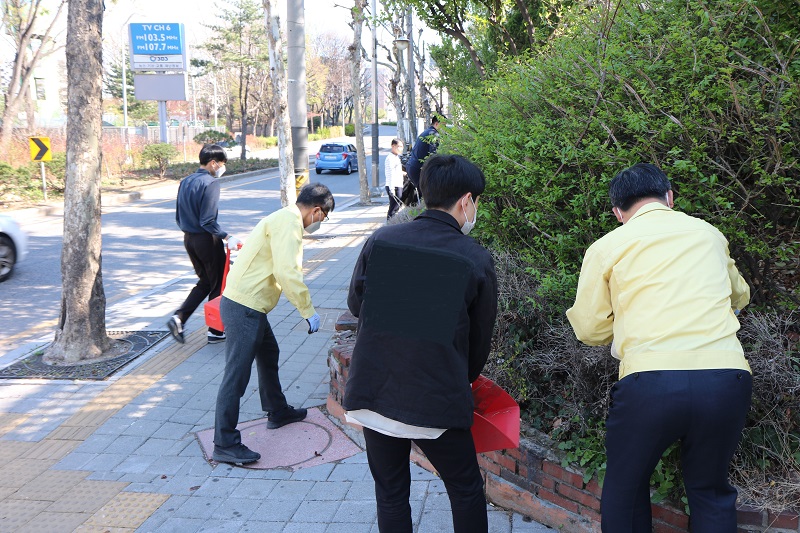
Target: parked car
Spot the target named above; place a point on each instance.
(233, 149)
(337, 156)
(13, 246)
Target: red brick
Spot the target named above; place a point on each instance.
(586, 499)
(670, 516)
(594, 487)
(661, 527)
(523, 470)
(749, 516)
(591, 514)
(346, 322)
(786, 520)
(508, 463)
(559, 472)
(515, 453)
(552, 497)
(548, 482)
(489, 466)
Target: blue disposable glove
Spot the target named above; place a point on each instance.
(313, 323)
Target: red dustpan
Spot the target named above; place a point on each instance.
(495, 424)
(211, 308)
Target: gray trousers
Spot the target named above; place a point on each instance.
(249, 338)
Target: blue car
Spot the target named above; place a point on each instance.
(337, 156)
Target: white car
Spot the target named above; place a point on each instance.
(13, 246)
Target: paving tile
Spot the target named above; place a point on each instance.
(314, 473)
(253, 488)
(48, 522)
(499, 520)
(167, 465)
(362, 490)
(305, 528)
(290, 490)
(9, 421)
(104, 462)
(125, 444)
(523, 524)
(50, 485)
(135, 464)
(18, 472)
(349, 472)
(180, 525)
(359, 512)
(329, 490)
(316, 511)
(435, 521)
(236, 509)
(182, 485)
(349, 527)
(264, 527)
(218, 486)
(95, 443)
(11, 449)
(16, 513)
(172, 430)
(142, 428)
(87, 497)
(276, 511)
(223, 526)
(198, 507)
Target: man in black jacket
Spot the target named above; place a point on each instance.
(424, 147)
(420, 346)
(196, 212)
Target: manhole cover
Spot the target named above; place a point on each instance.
(33, 367)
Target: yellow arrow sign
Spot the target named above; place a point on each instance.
(40, 149)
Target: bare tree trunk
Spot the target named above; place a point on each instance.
(280, 95)
(355, 78)
(81, 332)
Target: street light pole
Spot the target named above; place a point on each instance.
(412, 111)
(375, 149)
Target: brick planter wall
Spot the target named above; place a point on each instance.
(530, 479)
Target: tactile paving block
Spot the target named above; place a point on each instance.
(11, 449)
(50, 485)
(51, 449)
(16, 513)
(127, 510)
(92, 528)
(88, 496)
(18, 472)
(47, 522)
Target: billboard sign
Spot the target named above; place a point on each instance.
(157, 46)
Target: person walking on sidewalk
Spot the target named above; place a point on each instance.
(393, 171)
(425, 146)
(196, 213)
(663, 290)
(419, 348)
(270, 264)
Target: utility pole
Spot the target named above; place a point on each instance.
(375, 149)
(296, 70)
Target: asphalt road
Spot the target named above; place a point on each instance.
(142, 246)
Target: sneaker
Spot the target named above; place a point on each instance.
(238, 454)
(213, 338)
(176, 328)
(285, 416)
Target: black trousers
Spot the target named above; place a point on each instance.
(703, 409)
(453, 456)
(394, 201)
(250, 338)
(207, 254)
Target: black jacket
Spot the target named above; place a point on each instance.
(426, 299)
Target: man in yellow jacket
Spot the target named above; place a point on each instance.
(663, 290)
(270, 263)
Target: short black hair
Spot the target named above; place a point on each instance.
(638, 182)
(445, 178)
(212, 152)
(396, 141)
(435, 119)
(317, 195)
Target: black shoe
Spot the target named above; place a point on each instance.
(213, 338)
(285, 416)
(238, 454)
(176, 328)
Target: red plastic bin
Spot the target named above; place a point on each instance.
(495, 424)
(211, 308)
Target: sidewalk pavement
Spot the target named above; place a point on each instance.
(125, 455)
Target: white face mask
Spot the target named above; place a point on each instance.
(220, 171)
(469, 224)
(314, 226)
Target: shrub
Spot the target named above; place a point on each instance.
(159, 153)
(350, 130)
(212, 136)
(710, 92)
(388, 123)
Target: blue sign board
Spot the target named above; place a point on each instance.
(157, 46)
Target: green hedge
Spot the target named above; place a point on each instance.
(710, 92)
